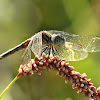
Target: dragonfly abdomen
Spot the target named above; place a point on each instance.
(15, 49)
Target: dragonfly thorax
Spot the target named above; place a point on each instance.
(46, 38)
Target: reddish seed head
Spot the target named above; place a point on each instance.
(41, 58)
(57, 65)
(57, 73)
(41, 63)
(55, 58)
(71, 68)
(32, 61)
(66, 79)
(90, 84)
(37, 62)
(51, 56)
(74, 85)
(80, 90)
(63, 59)
(39, 67)
(88, 80)
(67, 65)
(49, 69)
(91, 92)
(36, 59)
(43, 55)
(82, 85)
(83, 75)
(26, 69)
(62, 63)
(82, 81)
(24, 74)
(70, 79)
(50, 66)
(75, 77)
(76, 73)
(44, 62)
(35, 65)
(63, 69)
(54, 61)
(87, 94)
(66, 70)
(93, 88)
(61, 74)
(47, 64)
(54, 69)
(38, 72)
(44, 67)
(20, 70)
(98, 90)
(85, 87)
(49, 61)
(94, 97)
(46, 57)
(30, 73)
(77, 80)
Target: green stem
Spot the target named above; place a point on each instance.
(8, 86)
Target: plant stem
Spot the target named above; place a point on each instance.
(8, 86)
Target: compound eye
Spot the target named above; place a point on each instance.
(58, 40)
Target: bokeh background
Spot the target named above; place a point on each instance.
(20, 19)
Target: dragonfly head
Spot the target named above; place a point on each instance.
(58, 40)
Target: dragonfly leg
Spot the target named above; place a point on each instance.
(53, 52)
(49, 51)
(44, 49)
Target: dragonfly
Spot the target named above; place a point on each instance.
(58, 43)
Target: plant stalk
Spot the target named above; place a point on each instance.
(11, 83)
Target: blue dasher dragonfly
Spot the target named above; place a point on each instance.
(58, 43)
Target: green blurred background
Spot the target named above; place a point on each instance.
(20, 19)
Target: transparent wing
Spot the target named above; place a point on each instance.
(66, 51)
(37, 44)
(26, 57)
(86, 42)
